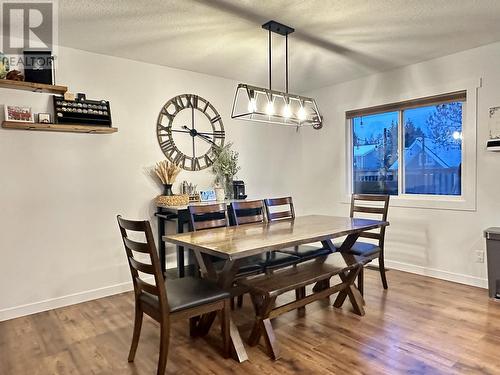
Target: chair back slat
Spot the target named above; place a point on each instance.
(136, 246)
(375, 205)
(147, 287)
(286, 213)
(142, 267)
(369, 210)
(210, 224)
(148, 247)
(208, 216)
(248, 212)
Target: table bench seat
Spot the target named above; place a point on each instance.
(265, 289)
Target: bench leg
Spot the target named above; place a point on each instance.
(352, 292)
(299, 294)
(270, 339)
(263, 307)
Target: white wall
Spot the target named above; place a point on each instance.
(439, 243)
(60, 192)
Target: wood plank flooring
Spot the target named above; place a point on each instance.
(419, 326)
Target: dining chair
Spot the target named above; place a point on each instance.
(283, 209)
(167, 301)
(377, 205)
(252, 212)
(205, 217)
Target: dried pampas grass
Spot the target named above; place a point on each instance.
(166, 171)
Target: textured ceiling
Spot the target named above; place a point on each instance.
(335, 40)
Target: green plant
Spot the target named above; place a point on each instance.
(225, 166)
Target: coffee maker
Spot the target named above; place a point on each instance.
(239, 189)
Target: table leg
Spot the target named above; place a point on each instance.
(351, 291)
(328, 244)
(225, 280)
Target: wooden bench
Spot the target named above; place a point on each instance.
(265, 289)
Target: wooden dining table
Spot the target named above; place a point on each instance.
(231, 244)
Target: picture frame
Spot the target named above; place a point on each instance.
(18, 113)
(44, 118)
(207, 195)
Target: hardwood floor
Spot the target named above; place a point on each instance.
(419, 326)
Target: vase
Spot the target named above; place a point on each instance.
(228, 187)
(220, 194)
(167, 189)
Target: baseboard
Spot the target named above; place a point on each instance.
(71, 299)
(438, 274)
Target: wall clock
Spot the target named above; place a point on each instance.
(188, 129)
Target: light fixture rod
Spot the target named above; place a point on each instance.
(270, 62)
(286, 62)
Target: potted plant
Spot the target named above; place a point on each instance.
(225, 167)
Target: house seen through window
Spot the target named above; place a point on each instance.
(429, 138)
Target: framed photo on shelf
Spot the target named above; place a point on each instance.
(17, 113)
(44, 118)
(207, 196)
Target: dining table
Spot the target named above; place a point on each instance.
(232, 244)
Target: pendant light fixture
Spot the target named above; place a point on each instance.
(254, 103)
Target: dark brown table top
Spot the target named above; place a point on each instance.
(245, 240)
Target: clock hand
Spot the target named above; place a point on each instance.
(204, 137)
(194, 133)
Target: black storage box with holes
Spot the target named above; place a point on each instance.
(81, 112)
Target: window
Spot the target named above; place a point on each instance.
(409, 148)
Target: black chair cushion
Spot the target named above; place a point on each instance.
(258, 263)
(307, 252)
(362, 248)
(277, 259)
(187, 292)
(247, 266)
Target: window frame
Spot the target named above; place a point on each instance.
(467, 200)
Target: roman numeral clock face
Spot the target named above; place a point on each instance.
(188, 130)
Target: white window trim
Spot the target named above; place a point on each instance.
(468, 200)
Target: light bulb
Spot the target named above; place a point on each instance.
(270, 108)
(457, 135)
(287, 112)
(252, 105)
(301, 114)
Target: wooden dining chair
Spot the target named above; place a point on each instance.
(252, 212)
(167, 301)
(283, 209)
(204, 217)
(215, 216)
(377, 205)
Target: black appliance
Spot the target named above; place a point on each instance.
(239, 189)
(38, 66)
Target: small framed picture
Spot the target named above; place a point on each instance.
(18, 113)
(44, 118)
(207, 195)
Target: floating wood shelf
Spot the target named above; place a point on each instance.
(31, 86)
(69, 128)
